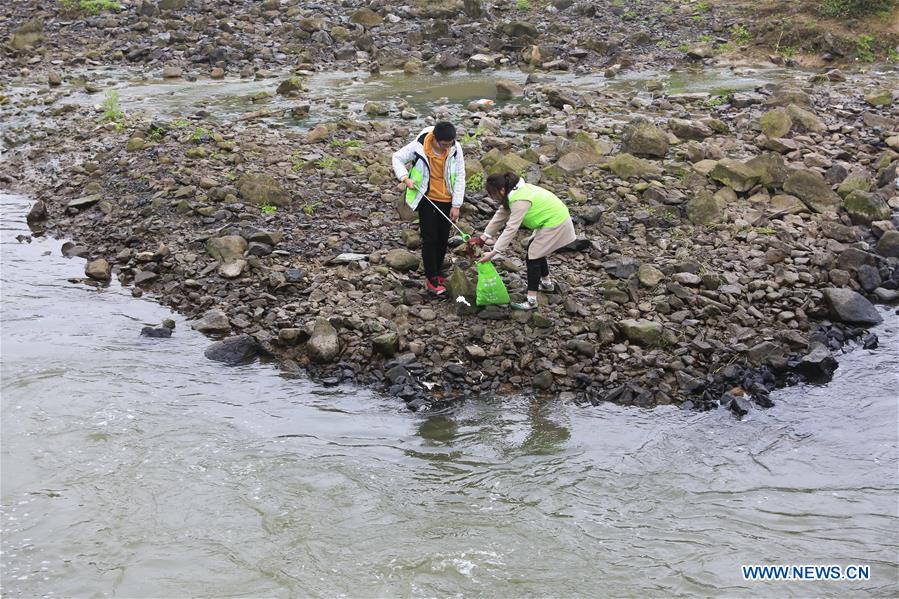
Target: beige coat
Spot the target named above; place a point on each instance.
(541, 244)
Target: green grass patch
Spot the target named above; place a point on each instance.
(864, 47)
(855, 8)
(268, 209)
(89, 7)
(740, 35)
(475, 182)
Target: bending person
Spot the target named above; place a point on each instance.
(534, 208)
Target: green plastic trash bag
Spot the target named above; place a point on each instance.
(491, 289)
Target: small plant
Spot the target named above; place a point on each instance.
(179, 124)
(893, 55)
(717, 101)
(471, 137)
(309, 208)
(740, 35)
(345, 143)
(788, 52)
(112, 112)
(297, 163)
(703, 7)
(523, 5)
(475, 182)
(706, 38)
(684, 47)
(630, 14)
(864, 47)
(326, 162)
(268, 209)
(200, 135)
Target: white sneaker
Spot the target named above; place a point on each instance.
(526, 305)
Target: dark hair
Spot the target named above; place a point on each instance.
(505, 181)
(444, 131)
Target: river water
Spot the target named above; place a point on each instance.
(133, 467)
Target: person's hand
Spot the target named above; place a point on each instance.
(488, 257)
(410, 184)
(476, 240)
(454, 213)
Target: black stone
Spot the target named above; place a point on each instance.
(239, 349)
(161, 332)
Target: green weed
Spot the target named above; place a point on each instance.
(523, 5)
(309, 208)
(200, 134)
(326, 162)
(864, 47)
(855, 8)
(740, 35)
(268, 209)
(345, 143)
(893, 55)
(475, 182)
(112, 112)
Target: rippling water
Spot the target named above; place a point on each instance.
(134, 467)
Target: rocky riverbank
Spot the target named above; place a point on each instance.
(721, 233)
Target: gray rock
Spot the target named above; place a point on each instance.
(649, 275)
(84, 202)
(850, 307)
(734, 174)
(213, 322)
(386, 344)
(868, 277)
(810, 187)
(161, 332)
(232, 269)
(402, 260)
(685, 129)
(705, 208)
(888, 244)
(227, 248)
(622, 267)
(818, 365)
(239, 349)
(262, 188)
(642, 138)
(642, 332)
(324, 344)
(98, 269)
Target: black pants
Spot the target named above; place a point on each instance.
(536, 269)
(434, 235)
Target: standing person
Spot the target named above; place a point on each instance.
(537, 209)
(438, 172)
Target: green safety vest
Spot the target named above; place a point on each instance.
(546, 209)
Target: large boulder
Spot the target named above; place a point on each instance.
(402, 260)
(848, 306)
(642, 138)
(735, 175)
(510, 163)
(776, 123)
(227, 248)
(262, 188)
(386, 344)
(810, 187)
(239, 349)
(27, 35)
(705, 208)
(324, 345)
(213, 322)
(627, 166)
(805, 120)
(366, 17)
(685, 129)
(98, 269)
(864, 207)
(506, 89)
(458, 284)
(888, 245)
(642, 332)
(770, 168)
